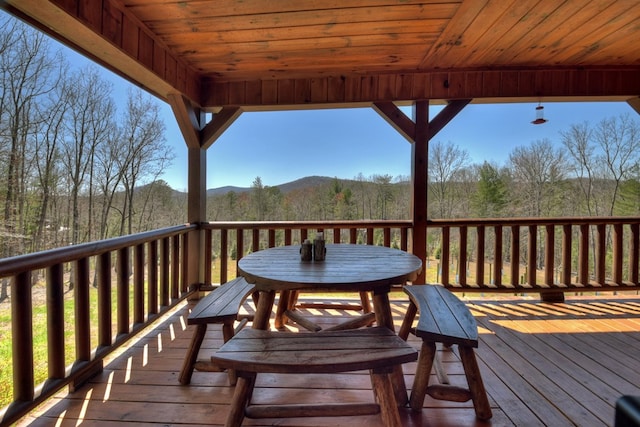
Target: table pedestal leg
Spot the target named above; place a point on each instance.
(263, 310)
(382, 309)
(283, 306)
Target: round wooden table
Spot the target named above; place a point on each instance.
(346, 268)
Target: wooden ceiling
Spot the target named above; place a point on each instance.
(271, 54)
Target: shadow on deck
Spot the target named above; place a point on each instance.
(542, 364)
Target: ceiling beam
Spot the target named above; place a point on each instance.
(220, 122)
(445, 116)
(396, 118)
(490, 86)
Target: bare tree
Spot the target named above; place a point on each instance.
(446, 161)
(89, 107)
(146, 153)
(538, 172)
(603, 158)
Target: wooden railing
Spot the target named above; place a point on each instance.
(148, 279)
(551, 255)
(546, 255)
(231, 240)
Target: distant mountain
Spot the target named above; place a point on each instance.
(299, 184)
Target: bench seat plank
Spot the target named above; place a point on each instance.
(331, 352)
(254, 351)
(443, 316)
(221, 305)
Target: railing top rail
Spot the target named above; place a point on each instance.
(506, 222)
(307, 224)
(17, 264)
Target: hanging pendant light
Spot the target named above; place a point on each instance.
(539, 115)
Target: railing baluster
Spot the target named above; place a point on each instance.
(105, 335)
(369, 235)
(138, 285)
(255, 239)
(583, 255)
(22, 336)
(175, 266)
(81, 305)
(444, 256)
(497, 256)
(55, 321)
(617, 255)
(404, 239)
(165, 265)
(208, 256)
(184, 271)
(480, 241)
(224, 254)
(152, 281)
(601, 254)
(515, 256)
(634, 254)
(532, 256)
(463, 257)
(122, 285)
(567, 237)
(271, 238)
(549, 254)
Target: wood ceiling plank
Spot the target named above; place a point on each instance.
(612, 48)
(180, 10)
(192, 41)
(488, 29)
(453, 34)
(297, 21)
(551, 33)
(584, 39)
(391, 43)
(516, 23)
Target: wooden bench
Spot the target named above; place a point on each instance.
(444, 318)
(221, 305)
(255, 351)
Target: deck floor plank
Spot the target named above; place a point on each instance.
(542, 364)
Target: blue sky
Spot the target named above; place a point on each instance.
(280, 147)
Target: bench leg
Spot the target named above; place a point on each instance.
(407, 322)
(383, 390)
(241, 398)
(192, 354)
(423, 371)
(227, 333)
(474, 380)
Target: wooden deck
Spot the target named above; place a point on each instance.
(542, 364)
